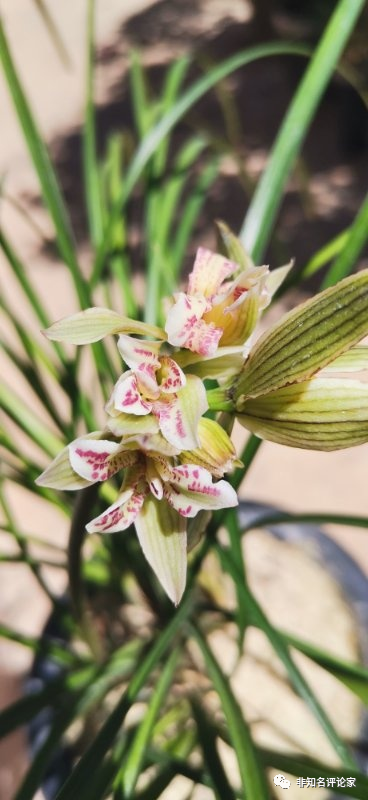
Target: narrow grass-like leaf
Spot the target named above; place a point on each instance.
(323, 256)
(191, 211)
(150, 143)
(259, 220)
(53, 32)
(143, 108)
(56, 651)
(87, 765)
(129, 773)
(25, 709)
(356, 240)
(306, 339)
(207, 740)
(41, 760)
(234, 531)
(34, 565)
(354, 676)
(90, 165)
(259, 619)
(280, 517)
(252, 776)
(44, 169)
(16, 408)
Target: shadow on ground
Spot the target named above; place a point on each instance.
(330, 179)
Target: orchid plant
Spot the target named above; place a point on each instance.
(164, 458)
(284, 388)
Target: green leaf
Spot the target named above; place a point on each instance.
(46, 175)
(53, 32)
(191, 96)
(256, 229)
(93, 756)
(18, 410)
(356, 240)
(252, 776)
(207, 735)
(317, 518)
(41, 760)
(130, 771)
(354, 676)
(259, 619)
(306, 339)
(325, 254)
(90, 164)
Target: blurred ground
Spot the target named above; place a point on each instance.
(333, 173)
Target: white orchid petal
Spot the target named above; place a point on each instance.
(119, 515)
(95, 323)
(98, 460)
(178, 419)
(183, 317)
(162, 536)
(209, 272)
(127, 397)
(191, 489)
(133, 351)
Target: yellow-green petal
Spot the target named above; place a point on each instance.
(95, 323)
(162, 535)
(60, 475)
(216, 452)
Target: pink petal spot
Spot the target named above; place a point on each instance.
(184, 511)
(179, 426)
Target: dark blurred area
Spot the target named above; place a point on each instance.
(242, 116)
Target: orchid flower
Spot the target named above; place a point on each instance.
(158, 493)
(218, 312)
(155, 385)
(304, 383)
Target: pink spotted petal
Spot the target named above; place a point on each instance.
(204, 338)
(94, 460)
(90, 459)
(60, 474)
(182, 318)
(120, 515)
(172, 377)
(142, 357)
(127, 398)
(191, 489)
(209, 272)
(178, 420)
